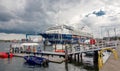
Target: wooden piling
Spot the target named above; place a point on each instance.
(44, 45)
(78, 57)
(95, 60)
(55, 44)
(81, 57)
(75, 57)
(71, 47)
(66, 66)
(70, 58)
(66, 54)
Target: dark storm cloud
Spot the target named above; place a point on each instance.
(19, 28)
(36, 16)
(37, 12)
(5, 15)
(33, 18)
(33, 11)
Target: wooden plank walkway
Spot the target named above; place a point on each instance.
(89, 50)
(63, 54)
(112, 64)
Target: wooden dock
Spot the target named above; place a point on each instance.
(89, 50)
(61, 57)
(54, 59)
(112, 64)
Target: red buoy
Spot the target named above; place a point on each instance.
(6, 55)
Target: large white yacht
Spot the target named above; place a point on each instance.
(64, 34)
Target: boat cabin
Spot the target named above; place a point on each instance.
(25, 47)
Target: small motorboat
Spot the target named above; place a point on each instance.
(34, 60)
(6, 55)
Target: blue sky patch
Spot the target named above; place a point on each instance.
(99, 13)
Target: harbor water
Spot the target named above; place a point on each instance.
(19, 64)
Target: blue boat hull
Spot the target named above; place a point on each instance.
(62, 38)
(35, 60)
(54, 38)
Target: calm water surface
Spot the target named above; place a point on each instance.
(18, 64)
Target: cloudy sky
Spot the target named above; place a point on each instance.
(19, 17)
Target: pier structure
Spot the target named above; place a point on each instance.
(70, 40)
(97, 59)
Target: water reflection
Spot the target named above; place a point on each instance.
(88, 67)
(6, 61)
(34, 66)
(9, 61)
(20, 64)
(66, 66)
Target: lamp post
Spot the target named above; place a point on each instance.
(108, 35)
(102, 36)
(115, 33)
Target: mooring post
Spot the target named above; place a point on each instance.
(55, 47)
(71, 47)
(44, 45)
(66, 66)
(75, 57)
(78, 57)
(81, 57)
(70, 58)
(95, 60)
(66, 54)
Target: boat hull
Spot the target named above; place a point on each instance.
(35, 60)
(6, 55)
(62, 38)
